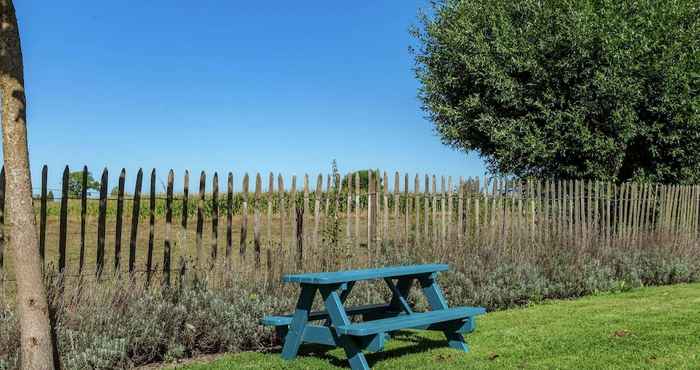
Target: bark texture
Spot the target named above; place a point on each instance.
(32, 305)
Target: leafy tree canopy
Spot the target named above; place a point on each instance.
(75, 183)
(598, 89)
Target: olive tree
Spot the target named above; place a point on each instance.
(597, 89)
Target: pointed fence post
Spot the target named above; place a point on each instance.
(229, 216)
(200, 219)
(119, 221)
(244, 219)
(167, 244)
(256, 220)
(151, 227)
(63, 227)
(42, 213)
(83, 216)
(214, 219)
(101, 224)
(135, 214)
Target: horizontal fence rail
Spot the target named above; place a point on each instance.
(268, 227)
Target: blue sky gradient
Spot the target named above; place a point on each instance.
(227, 86)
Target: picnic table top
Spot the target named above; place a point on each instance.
(324, 278)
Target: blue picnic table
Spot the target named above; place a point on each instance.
(379, 321)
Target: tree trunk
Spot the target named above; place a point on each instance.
(32, 305)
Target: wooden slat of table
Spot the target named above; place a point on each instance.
(415, 320)
(325, 278)
(323, 315)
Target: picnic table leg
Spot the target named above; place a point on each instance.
(400, 290)
(336, 311)
(343, 296)
(437, 301)
(301, 317)
(346, 292)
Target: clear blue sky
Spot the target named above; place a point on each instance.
(227, 86)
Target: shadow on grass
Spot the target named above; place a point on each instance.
(412, 343)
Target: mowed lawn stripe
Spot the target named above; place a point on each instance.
(646, 328)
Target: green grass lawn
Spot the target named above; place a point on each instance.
(645, 328)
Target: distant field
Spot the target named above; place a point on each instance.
(183, 242)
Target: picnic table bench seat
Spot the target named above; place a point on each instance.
(421, 320)
(286, 320)
(379, 321)
(417, 320)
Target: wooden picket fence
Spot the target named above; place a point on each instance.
(278, 229)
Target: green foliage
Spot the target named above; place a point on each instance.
(364, 179)
(332, 228)
(75, 183)
(120, 323)
(601, 89)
